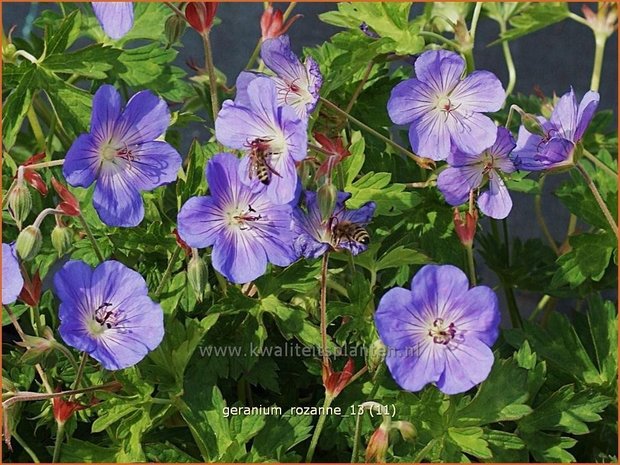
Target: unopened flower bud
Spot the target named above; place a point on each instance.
(446, 15)
(29, 242)
(335, 381)
(20, 203)
(378, 444)
(174, 29)
(462, 35)
(37, 348)
(327, 197)
(198, 276)
(407, 430)
(200, 15)
(532, 124)
(376, 355)
(466, 228)
(8, 53)
(62, 239)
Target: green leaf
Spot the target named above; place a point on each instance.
(71, 105)
(401, 256)
(588, 259)
(470, 440)
(532, 17)
(549, 447)
(501, 397)
(279, 435)
(16, 106)
(91, 62)
(78, 451)
(389, 20)
(566, 411)
(64, 36)
(391, 199)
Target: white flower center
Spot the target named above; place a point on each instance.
(242, 219)
(442, 332)
(108, 153)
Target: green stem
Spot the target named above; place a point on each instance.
(45, 164)
(25, 446)
(212, 76)
(255, 53)
(323, 309)
(469, 51)
(541, 306)
(471, 265)
(168, 272)
(79, 373)
(513, 309)
(512, 73)
(90, 236)
(420, 455)
(67, 353)
(541, 219)
(578, 19)
(288, 11)
(440, 38)
(319, 428)
(356, 438)
(599, 199)
(594, 159)
(375, 381)
(360, 86)
(424, 163)
(599, 51)
(57, 445)
(36, 127)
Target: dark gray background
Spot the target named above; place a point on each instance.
(553, 59)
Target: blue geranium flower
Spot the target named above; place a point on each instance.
(122, 156)
(107, 313)
(246, 229)
(116, 18)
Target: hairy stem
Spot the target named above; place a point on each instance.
(512, 72)
(356, 438)
(541, 219)
(168, 271)
(91, 238)
(215, 108)
(25, 446)
(60, 434)
(323, 309)
(600, 41)
(594, 159)
(599, 199)
(444, 40)
(79, 374)
(424, 163)
(471, 265)
(22, 336)
(360, 86)
(319, 428)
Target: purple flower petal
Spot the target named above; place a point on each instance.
(495, 202)
(410, 100)
(126, 285)
(12, 280)
(116, 18)
(106, 111)
(585, 113)
(153, 164)
(145, 118)
(472, 133)
(82, 162)
(243, 81)
(200, 222)
(456, 183)
(237, 258)
(117, 201)
(397, 331)
(466, 365)
(480, 91)
(415, 367)
(71, 283)
(439, 69)
(430, 137)
(479, 315)
(438, 287)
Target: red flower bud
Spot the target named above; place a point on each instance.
(335, 150)
(32, 177)
(31, 292)
(63, 409)
(272, 23)
(69, 205)
(200, 15)
(466, 228)
(335, 382)
(378, 445)
(181, 243)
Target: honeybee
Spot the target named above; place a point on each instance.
(348, 231)
(259, 164)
